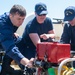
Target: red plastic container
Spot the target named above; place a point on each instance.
(54, 51)
(41, 50)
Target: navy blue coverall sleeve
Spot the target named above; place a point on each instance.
(8, 43)
(65, 38)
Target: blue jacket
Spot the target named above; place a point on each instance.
(7, 39)
(68, 35)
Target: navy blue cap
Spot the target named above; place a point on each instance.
(69, 13)
(41, 8)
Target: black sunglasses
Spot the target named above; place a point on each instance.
(42, 15)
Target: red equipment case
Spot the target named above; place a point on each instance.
(55, 52)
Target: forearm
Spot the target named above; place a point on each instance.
(47, 36)
(50, 35)
(15, 54)
(35, 38)
(24, 61)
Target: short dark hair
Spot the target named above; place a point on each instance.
(18, 9)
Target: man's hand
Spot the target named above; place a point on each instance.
(47, 36)
(16, 35)
(44, 36)
(26, 62)
(30, 63)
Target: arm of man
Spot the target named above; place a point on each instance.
(47, 36)
(25, 61)
(16, 35)
(35, 38)
(65, 37)
(7, 42)
(15, 54)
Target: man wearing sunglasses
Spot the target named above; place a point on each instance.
(39, 29)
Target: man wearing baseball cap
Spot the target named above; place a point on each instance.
(37, 30)
(68, 35)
